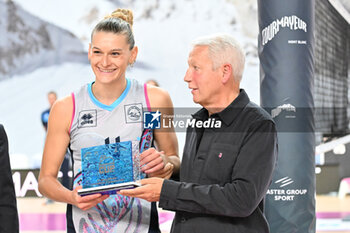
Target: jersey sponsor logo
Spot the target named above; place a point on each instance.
(87, 118)
(133, 113)
(151, 120)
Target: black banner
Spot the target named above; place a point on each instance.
(286, 52)
(25, 182)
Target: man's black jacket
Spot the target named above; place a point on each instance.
(225, 172)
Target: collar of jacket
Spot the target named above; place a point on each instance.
(229, 114)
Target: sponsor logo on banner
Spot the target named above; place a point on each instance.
(133, 113)
(284, 181)
(87, 118)
(285, 107)
(283, 193)
(292, 22)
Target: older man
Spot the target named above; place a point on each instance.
(226, 170)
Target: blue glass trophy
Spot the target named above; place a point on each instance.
(110, 167)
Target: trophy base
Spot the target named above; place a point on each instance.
(108, 189)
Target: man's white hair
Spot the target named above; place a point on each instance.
(223, 48)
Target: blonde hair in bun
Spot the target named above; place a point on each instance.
(123, 14)
(119, 22)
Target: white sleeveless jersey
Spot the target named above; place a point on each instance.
(96, 124)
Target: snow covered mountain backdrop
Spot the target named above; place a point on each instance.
(28, 43)
(43, 47)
